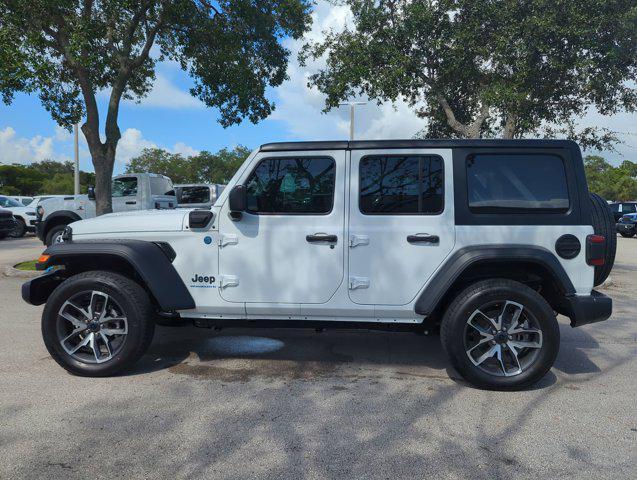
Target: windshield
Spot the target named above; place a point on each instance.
(7, 202)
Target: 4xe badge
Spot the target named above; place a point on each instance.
(202, 281)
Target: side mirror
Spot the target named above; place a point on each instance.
(237, 201)
(91, 192)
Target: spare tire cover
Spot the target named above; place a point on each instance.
(603, 224)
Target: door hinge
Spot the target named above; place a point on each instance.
(228, 239)
(358, 282)
(228, 281)
(355, 240)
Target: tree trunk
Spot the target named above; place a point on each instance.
(103, 161)
(510, 126)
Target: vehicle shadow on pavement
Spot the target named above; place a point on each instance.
(239, 355)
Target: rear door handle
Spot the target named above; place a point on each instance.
(131, 203)
(423, 238)
(321, 237)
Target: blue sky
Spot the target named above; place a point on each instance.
(170, 118)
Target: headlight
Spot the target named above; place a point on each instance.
(40, 211)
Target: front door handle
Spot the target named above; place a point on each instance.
(131, 203)
(423, 238)
(321, 237)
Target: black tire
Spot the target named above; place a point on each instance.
(627, 235)
(604, 224)
(454, 328)
(19, 230)
(54, 232)
(3, 236)
(136, 307)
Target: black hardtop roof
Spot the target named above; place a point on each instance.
(410, 143)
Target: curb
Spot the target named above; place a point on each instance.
(9, 271)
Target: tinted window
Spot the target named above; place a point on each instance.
(629, 207)
(401, 185)
(517, 182)
(125, 187)
(193, 194)
(9, 202)
(292, 185)
(161, 186)
(614, 207)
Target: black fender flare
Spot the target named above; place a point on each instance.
(152, 262)
(73, 216)
(464, 258)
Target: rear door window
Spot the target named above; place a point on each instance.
(401, 185)
(125, 187)
(516, 183)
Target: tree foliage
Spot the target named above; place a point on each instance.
(612, 183)
(46, 177)
(67, 51)
(205, 167)
(487, 68)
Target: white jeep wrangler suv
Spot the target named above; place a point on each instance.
(487, 239)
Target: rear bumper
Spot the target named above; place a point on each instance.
(585, 309)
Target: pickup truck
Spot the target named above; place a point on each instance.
(139, 191)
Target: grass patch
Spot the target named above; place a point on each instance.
(29, 265)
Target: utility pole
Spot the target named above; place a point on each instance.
(352, 107)
(77, 159)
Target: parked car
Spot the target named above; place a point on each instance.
(24, 216)
(486, 239)
(139, 191)
(627, 225)
(23, 200)
(7, 223)
(197, 195)
(622, 208)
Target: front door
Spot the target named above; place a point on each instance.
(288, 247)
(401, 224)
(126, 194)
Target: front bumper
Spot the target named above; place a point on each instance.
(626, 227)
(585, 309)
(39, 229)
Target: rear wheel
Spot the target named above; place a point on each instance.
(500, 334)
(19, 230)
(97, 323)
(604, 224)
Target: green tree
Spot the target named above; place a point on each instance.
(205, 167)
(20, 180)
(47, 176)
(69, 50)
(157, 160)
(612, 183)
(504, 68)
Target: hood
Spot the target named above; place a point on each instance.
(137, 221)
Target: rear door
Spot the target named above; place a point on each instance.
(288, 248)
(401, 224)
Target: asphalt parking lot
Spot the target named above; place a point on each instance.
(299, 404)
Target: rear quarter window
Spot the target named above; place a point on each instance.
(516, 183)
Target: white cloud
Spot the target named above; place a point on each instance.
(14, 149)
(133, 142)
(165, 94)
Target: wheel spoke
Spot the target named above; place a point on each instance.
(516, 361)
(113, 331)
(480, 314)
(500, 322)
(112, 319)
(74, 334)
(498, 354)
(488, 354)
(83, 343)
(107, 343)
(525, 344)
(92, 309)
(95, 347)
(516, 317)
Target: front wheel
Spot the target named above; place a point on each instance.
(500, 334)
(55, 235)
(19, 230)
(97, 324)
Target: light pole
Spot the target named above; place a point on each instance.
(352, 107)
(77, 160)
